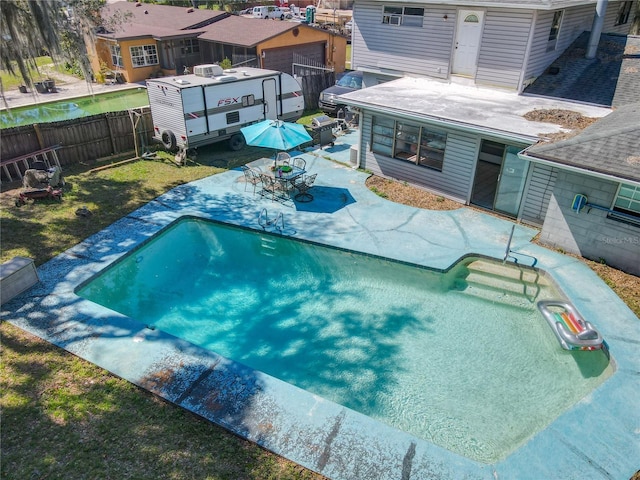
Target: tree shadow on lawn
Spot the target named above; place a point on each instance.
(66, 418)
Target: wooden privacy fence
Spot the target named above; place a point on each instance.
(106, 134)
(313, 84)
(80, 139)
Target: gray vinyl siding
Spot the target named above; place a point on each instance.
(575, 21)
(590, 233)
(538, 193)
(504, 46)
(611, 16)
(422, 51)
(453, 181)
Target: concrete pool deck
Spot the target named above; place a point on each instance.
(596, 438)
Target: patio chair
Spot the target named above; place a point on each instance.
(303, 187)
(299, 162)
(251, 177)
(283, 158)
(271, 186)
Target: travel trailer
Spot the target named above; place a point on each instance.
(211, 105)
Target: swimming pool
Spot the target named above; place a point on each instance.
(464, 365)
(74, 108)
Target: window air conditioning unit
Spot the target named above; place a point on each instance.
(394, 20)
(212, 70)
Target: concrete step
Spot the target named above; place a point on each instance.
(509, 271)
(492, 295)
(506, 283)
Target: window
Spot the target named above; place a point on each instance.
(405, 141)
(555, 30)
(407, 16)
(248, 100)
(189, 46)
(144, 55)
(627, 203)
(624, 10)
(116, 55)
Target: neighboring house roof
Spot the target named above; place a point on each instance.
(134, 20)
(612, 78)
(469, 108)
(610, 146)
(247, 32)
(528, 4)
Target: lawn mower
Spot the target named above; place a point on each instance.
(35, 193)
(41, 182)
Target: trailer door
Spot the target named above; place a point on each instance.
(270, 95)
(194, 108)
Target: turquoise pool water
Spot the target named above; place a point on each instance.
(419, 350)
(74, 108)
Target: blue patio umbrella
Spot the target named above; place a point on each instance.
(276, 134)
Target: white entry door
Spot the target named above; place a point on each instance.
(468, 35)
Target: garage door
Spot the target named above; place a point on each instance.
(281, 58)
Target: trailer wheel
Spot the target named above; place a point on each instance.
(237, 142)
(168, 140)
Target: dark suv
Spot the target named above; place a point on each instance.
(349, 82)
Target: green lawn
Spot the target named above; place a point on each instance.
(37, 73)
(63, 417)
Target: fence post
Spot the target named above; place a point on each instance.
(36, 129)
(113, 141)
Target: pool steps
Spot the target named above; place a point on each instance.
(268, 246)
(508, 284)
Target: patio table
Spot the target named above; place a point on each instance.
(286, 175)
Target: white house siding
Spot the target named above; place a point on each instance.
(590, 233)
(575, 21)
(422, 51)
(611, 17)
(454, 181)
(503, 49)
(540, 184)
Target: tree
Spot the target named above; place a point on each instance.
(31, 28)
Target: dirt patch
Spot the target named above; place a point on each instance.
(406, 194)
(573, 121)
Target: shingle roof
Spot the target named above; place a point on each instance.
(247, 32)
(610, 146)
(147, 19)
(612, 78)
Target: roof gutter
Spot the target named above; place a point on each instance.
(524, 155)
(453, 124)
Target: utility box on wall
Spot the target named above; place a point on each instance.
(16, 276)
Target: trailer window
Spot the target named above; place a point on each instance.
(248, 101)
